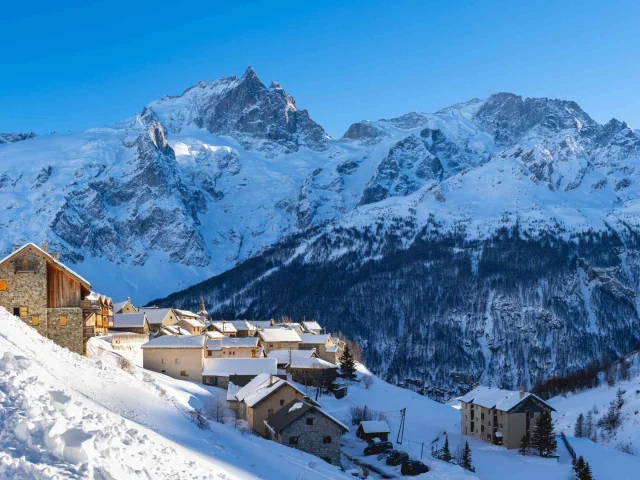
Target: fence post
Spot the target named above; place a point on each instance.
(421, 449)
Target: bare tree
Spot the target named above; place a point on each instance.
(197, 417)
(125, 364)
(215, 409)
(367, 381)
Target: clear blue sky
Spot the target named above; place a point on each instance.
(69, 65)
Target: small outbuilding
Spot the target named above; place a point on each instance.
(372, 430)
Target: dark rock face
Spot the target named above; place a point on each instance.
(162, 210)
(365, 132)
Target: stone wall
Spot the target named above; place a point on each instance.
(26, 289)
(310, 437)
(70, 335)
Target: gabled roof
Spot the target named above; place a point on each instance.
(129, 320)
(498, 398)
(309, 326)
(261, 387)
(192, 321)
(225, 367)
(231, 342)
(374, 426)
(241, 325)
(186, 313)
(312, 339)
(119, 306)
(175, 330)
(224, 327)
(293, 411)
(283, 356)
(180, 341)
(213, 335)
(85, 283)
(279, 335)
(155, 315)
(260, 323)
(311, 363)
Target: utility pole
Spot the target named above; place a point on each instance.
(364, 415)
(401, 428)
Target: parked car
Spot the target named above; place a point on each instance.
(386, 454)
(413, 467)
(397, 458)
(378, 447)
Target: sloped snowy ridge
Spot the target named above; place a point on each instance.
(66, 416)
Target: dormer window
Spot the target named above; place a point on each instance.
(24, 265)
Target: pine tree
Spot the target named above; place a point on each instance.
(544, 439)
(466, 458)
(524, 445)
(578, 468)
(347, 362)
(587, 474)
(446, 453)
(587, 428)
(578, 432)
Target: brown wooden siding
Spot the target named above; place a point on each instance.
(62, 290)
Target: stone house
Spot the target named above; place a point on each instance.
(278, 339)
(124, 307)
(262, 397)
(46, 294)
(373, 430)
(322, 343)
(180, 357)
(193, 325)
(500, 416)
(131, 322)
(306, 427)
(216, 371)
(312, 371)
(231, 347)
(224, 327)
(159, 317)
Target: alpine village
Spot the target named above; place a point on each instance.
(273, 372)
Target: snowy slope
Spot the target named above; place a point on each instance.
(65, 416)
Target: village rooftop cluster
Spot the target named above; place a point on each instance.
(261, 364)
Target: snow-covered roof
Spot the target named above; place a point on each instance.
(313, 339)
(224, 327)
(331, 349)
(193, 322)
(311, 362)
(309, 326)
(498, 398)
(118, 306)
(175, 330)
(261, 387)
(282, 356)
(260, 323)
(214, 335)
(375, 426)
(129, 320)
(185, 313)
(293, 411)
(279, 335)
(224, 367)
(172, 341)
(232, 389)
(85, 283)
(241, 325)
(232, 342)
(155, 315)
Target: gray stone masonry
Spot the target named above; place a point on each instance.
(310, 437)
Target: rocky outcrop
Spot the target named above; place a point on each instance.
(15, 137)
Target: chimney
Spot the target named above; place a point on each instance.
(44, 245)
(55, 255)
(270, 380)
(521, 390)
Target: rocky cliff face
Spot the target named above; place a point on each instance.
(475, 240)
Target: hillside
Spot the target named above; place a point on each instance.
(65, 416)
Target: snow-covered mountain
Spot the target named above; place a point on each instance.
(495, 239)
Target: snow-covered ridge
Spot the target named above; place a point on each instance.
(198, 182)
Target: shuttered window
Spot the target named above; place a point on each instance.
(24, 311)
(3, 285)
(63, 320)
(35, 320)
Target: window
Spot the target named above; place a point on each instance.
(482, 415)
(270, 412)
(35, 320)
(63, 320)
(488, 437)
(500, 425)
(163, 360)
(177, 360)
(210, 353)
(184, 374)
(282, 402)
(482, 428)
(489, 423)
(163, 371)
(3, 285)
(16, 311)
(310, 421)
(293, 440)
(326, 439)
(24, 311)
